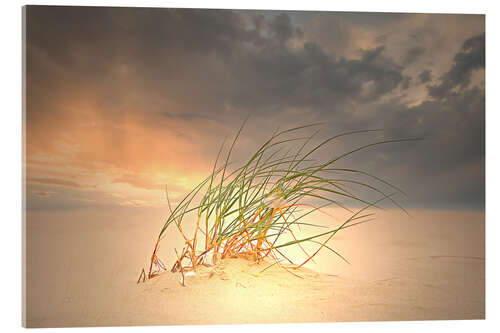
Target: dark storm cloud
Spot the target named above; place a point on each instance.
(406, 83)
(448, 163)
(452, 155)
(425, 76)
(470, 58)
(220, 56)
(308, 77)
(282, 28)
(413, 54)
(370, 19)
(207, 66)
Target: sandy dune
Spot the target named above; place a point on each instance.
(83, 266)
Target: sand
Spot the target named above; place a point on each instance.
(82, 268)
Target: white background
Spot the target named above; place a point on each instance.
(10, 131)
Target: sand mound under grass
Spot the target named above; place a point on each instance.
(237, 290)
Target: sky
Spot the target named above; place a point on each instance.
(123, 101)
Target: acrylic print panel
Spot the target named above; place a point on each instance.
(189, 166)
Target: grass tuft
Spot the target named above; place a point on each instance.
(247, 210)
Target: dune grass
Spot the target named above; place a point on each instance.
(247, 210)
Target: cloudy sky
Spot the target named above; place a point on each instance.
(122, 101)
